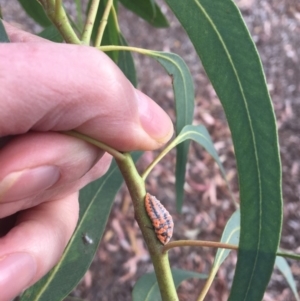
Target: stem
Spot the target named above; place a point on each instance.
(158, 158)
(103, 23)
(58, 5)
(124, 48)
(288, 255)
(115, 17)
(58, 16)
(89, 23)
(198, 243)
(110, 150)
(136, 187)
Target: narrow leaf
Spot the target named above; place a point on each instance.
(3, 35)
(285, 269)
(126, 62)
(147, 10)
(36, 12)
(230, 235)
(146, 288)
(199, 134)
(70, 298)
(79, 14)
(95, 204)
(231, 61)
(184, 97)
(51, 33)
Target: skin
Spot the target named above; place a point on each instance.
(46, 88)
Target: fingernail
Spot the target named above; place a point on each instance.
(22, 184)
(17, 271)
(155, 121)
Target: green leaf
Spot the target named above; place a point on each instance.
(230, 235)
(184, 97)
(126, 62)
(199, 134)
(147, 10)
(3, 35)
(231, 61)
(146, 288)
(69, 298)
(36, 12)
(52, 34)
(79, 14)
(184, 102)
(285, 269)
(95, 204)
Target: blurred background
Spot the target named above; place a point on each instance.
(122, 256)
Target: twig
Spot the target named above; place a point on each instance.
(103, 23)
(136, 187)
(89, 23)
(56, 13)
(198, 243)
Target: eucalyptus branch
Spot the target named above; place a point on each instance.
(116, 154)
(160, 260)
(103, 23)
(89, 23)
(198, 243)
(56, 13)
(136, 187)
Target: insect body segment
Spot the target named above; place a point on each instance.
(161, 219)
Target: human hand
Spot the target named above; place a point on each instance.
(47, 88)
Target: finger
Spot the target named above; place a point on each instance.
(24, 251)
(50, 166)
(50, 87)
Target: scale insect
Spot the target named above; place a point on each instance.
(161, 219)
(86, 239)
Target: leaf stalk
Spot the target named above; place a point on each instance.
(57, 14)
(90, 21)
(103, 23)
(198, 243)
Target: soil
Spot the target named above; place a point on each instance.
(122, 257)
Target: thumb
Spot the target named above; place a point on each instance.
(59, 87)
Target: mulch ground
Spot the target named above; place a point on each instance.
(122, 256)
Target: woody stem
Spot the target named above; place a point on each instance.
(159, 259)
